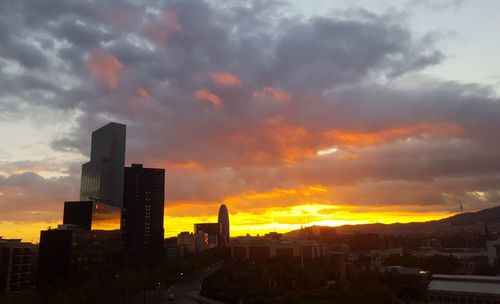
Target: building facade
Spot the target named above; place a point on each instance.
(89, 215)
(16, 265)
(76, 253)
(207, 235)
(102, 176)
(261, 248)
(143, 207)
(54, 254)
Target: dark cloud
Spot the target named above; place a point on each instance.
(30, 197)
(409, 141)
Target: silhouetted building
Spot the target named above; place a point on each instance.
(54, 254)
(174, 252)
(90, 215)
(143, 203)
(261, 248)
(69, 253)
(16, 265)
(210, 234)
(186, 241)
(223, 220)
(102, 176)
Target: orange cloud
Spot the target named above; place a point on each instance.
(161, 32)
(142, 93)
(278, 95)
(370, 138)
(294, 142)
(141, 97)
(204, 94)
(225, 79)
(187, 165)
(106, 66)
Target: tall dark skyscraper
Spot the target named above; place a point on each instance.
(224, 223)
(102, 176)
(143, 202)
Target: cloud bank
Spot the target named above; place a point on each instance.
(239, 98)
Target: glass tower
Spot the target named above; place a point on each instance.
(102, 176)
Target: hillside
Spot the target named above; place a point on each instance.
(485, 216)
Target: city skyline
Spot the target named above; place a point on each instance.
(288, 114)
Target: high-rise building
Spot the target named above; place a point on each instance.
(143, 203)
(224, 223)
(102, 176)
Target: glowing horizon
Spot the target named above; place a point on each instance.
(241, 223)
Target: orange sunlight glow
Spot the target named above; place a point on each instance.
(187, 165)
(180, 216)
(106, 66)
(204, 94)
(293, 207)
(27, 231)
(225, 79)
(284, 219)
(292, 140)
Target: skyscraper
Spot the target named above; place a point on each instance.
(102, 176)
(224, 223)
(143, 202)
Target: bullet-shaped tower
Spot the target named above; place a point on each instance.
(224, 223)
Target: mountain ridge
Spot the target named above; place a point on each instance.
(484, 216)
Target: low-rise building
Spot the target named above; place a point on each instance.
(186, 241)
(65, 253)
(493, 251)
(378, 256)
(464, 289)
(259, 248)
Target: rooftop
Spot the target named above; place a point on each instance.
(487, 285)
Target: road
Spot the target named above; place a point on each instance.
(187, 292)
(184, 291)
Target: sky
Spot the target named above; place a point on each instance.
(289, 112)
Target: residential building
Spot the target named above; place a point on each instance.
(16, 265)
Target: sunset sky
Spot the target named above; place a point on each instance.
(290, 112)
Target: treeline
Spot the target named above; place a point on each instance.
(318, 281)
